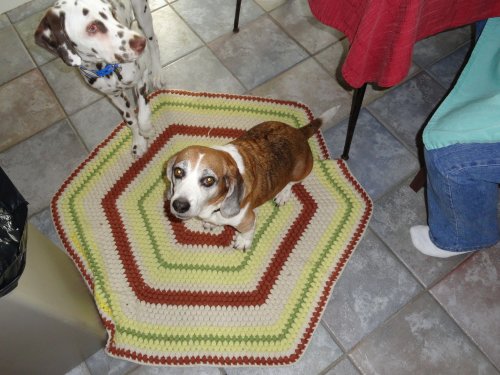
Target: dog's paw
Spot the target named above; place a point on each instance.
(148, 132)
(243, 241)
(209, 226)
(157, 81)
(139, 147)
(283, 196)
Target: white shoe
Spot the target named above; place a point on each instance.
(422, 241)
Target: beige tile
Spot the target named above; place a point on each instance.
(175, 38)
(471, 294)
(4, 21)
(102, 363)
(69, 86)
(258, 52)
(406, 108)
(429, 50)
(373, 286)
(310, 84)
(421, 339)
(156, 4)
(95, 122)
(39, 165)
(296, 18)
(268, 5)
(168, 370)
(14, 59)
(28, 8)
(376, 158)
(201, 71)
(26, 29)
(333, 57)
(211, 19)
(27, 105)
(344, 367)
(394, 215)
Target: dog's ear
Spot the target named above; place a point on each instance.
(168, 174)
(50, 34)
(231, 204)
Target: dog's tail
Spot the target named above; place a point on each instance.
(315, 124)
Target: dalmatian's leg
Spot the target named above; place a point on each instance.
(145, 21)
(124, 104)
(144, 111)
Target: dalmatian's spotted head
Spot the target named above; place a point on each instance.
(90, 31)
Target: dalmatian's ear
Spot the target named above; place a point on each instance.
(50, 34)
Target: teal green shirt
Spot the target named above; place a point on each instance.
(471, 111)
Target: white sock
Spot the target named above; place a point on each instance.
(422, 241)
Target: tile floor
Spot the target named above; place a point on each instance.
(393, 311)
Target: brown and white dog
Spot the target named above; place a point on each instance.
(222, 185)
(112, 54)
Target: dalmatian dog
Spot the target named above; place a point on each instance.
(114, 56)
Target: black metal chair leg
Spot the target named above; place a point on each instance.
(237, 17)
(357, 101)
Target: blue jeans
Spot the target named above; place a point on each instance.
(462, 195)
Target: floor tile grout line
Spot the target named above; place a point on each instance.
(345, 352)
(225, 35)
(412, 272)
(423, 289)
(385, 322)
(466, 58)
(465, 333)
(65, 117)
(391, 129)
(268, 16)
(405, 180)
(329, 330)
(428, 289)
(204, 44)
(411, 301)
(332, 365)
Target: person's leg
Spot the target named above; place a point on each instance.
(462, 195)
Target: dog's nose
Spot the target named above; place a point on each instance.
(138, 44)
(180, 205)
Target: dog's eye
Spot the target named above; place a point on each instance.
(92, 28)
(208, 181)
(178, 172)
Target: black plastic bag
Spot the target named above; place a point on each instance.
(13, 216)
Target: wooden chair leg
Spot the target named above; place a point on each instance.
(357, 101)
(237, 17)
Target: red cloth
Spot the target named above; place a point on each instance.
(382, 32)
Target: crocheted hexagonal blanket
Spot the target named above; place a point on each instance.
(172, 293)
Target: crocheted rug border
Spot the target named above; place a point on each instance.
(220, 360)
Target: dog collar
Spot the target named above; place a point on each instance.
(106, 71)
